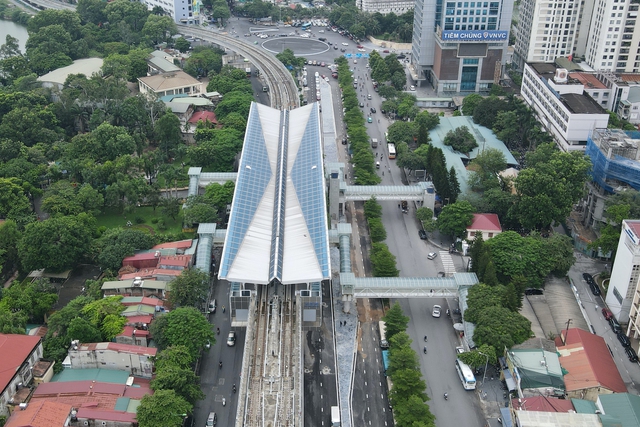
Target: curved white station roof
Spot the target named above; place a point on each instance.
(278, 223)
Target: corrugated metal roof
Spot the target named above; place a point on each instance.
(587, 358)
(14, 351)
(623, 406)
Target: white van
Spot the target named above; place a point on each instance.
(212, 306)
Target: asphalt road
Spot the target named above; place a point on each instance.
(215, 382)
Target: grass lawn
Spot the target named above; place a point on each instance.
(113, 219)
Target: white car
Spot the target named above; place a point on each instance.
(345, 44)
(355, 61)
(231, 339)
(412, 87)
(321, 31)
(432, 255)
(361, 50)
(436, 311)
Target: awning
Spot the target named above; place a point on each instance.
(511, 384)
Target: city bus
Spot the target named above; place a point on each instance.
(384, 344)
(305, 26)
(466, 375)
(385, 361)
(392, 151)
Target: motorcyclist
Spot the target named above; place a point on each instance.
(446, 396)
(425, 349)
(220, 364)
(425, 338)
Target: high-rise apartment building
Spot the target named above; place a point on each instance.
(460, 46)
(601, 32)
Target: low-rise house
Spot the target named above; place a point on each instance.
(485, 224)
(622, 409)
(41, 414)
(136, 287)
(535, 368)
(170, 84)
(591, 372)
(109, 355)
(18, 355)
(178, 262)
(160, 62)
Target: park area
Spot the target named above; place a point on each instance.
(144, 218)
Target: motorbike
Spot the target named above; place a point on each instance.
(224, 402)
(425, 350)
(220, 364)
(218, 331)
(234, 388)
(425, 338)
(446, 396)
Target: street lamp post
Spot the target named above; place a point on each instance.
(484, 374)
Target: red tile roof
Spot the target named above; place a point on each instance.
(14, 350)
(93, 414)
(40, 414)
(166, 272)
(128, 332)
(542, 404)
(181, 244)
(587, 358)
(485, 222)
(142, 300)
(204, 116)
(178, 260)
(139, 319)
(140, 256)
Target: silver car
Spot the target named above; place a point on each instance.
(436, 311)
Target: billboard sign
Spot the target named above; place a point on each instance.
(475, 36)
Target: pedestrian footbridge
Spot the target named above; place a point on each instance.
(406, 287)
(360, 193)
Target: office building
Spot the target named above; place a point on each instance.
(602, 33)
(561, 105)
(385, 6)
(181, 11)
(460, 47)
(623, 295)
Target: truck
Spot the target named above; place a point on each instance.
(374, 142)
(335, 416)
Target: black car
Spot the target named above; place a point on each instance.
(595, 289)
(422, 234)
(631, 354)
(533, 291)
(373, 110)
(615, 326)
(587, 277)
(401, 56)
(383, 111)
(362, 105)
(344, 141)
(624, 340)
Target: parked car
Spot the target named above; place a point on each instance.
(385, 51)
(533, 291)
(401, 56)
(212, 419)
(615, 326)
(344, 141)
(422, 234)
(360, 46)
(607, 313)
(587, 277)
(231, 339)
(631, 354)
(436, 311)
(595, 289)
(361, 104)
(624, 340)
(432, 255)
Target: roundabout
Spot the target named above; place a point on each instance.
(299, 45)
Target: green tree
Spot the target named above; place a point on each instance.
(173, 356)
(396, 321)
(164, 408)
(480, 297)
(202, 61)
(112, 326)
(500, 327)
(13, 201)
(486, 166)
(184, 326)
(413, 413)
(159, 28)
(481, 356)
(383, 261)
(470, 102)
(455, 218)
(80, 329)
(167, 134)
(372, 209)
(428, 120)
(460, 139)
(9, 237)
(98, 311)
(182, 44)
(189, 289)
(407, 383)
(56, 243)
(402, 357)
(454, 185)
(376, 230)
(179, 379)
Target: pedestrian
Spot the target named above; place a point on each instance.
(597, 307)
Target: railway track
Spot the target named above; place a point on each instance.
(282, 88)
(274, 373)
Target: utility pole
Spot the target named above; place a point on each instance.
(564, 341)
